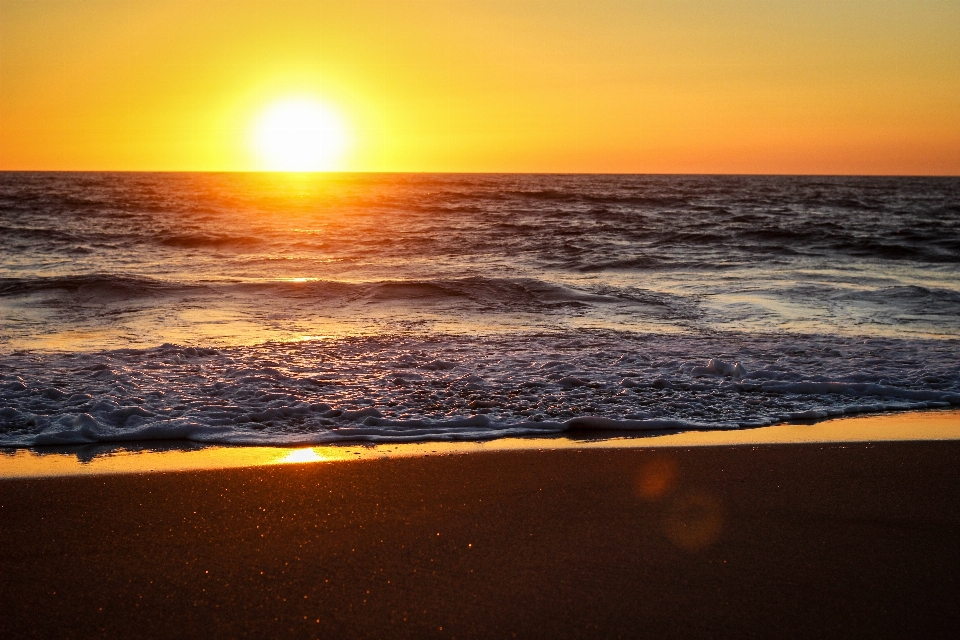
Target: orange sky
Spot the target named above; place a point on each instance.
(704, 86)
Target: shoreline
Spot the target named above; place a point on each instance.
(174, 456)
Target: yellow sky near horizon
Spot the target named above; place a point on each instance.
(652, 86)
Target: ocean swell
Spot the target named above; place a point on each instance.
(338, 307)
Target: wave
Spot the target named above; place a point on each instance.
(202, 240)
(88, 286)
(39, 233)
(312, 424)
(926, 295)
(486, 292)
(906, 303)
(889, 250)
(639, 262)
(473, 294)
(432, 387)
(576, 196)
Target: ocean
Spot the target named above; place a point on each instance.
(308, 309)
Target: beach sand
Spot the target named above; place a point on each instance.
(792, 540)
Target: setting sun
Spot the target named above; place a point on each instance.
(299, 135)
(583, 318)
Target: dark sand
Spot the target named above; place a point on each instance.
(784, 540)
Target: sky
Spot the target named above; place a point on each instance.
(642, 86)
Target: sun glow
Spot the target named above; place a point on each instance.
(300, 135)
(302, 455)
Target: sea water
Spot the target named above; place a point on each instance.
(297, 309)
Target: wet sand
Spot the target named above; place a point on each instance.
(139, 457)
(792, 540)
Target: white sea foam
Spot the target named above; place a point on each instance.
(402, 388)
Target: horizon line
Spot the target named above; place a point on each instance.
(493, 173)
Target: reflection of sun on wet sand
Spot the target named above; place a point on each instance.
(790, 540)
(133, 457)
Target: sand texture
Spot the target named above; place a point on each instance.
(853, 540)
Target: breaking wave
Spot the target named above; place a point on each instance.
(402, 389)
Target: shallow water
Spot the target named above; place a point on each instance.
(171, 456)
(274, 309)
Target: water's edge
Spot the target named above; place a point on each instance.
(155, 457)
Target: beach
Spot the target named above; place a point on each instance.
(793, 540)
(479, 319)
(472, 405)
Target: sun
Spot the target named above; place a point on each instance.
(300, 134)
